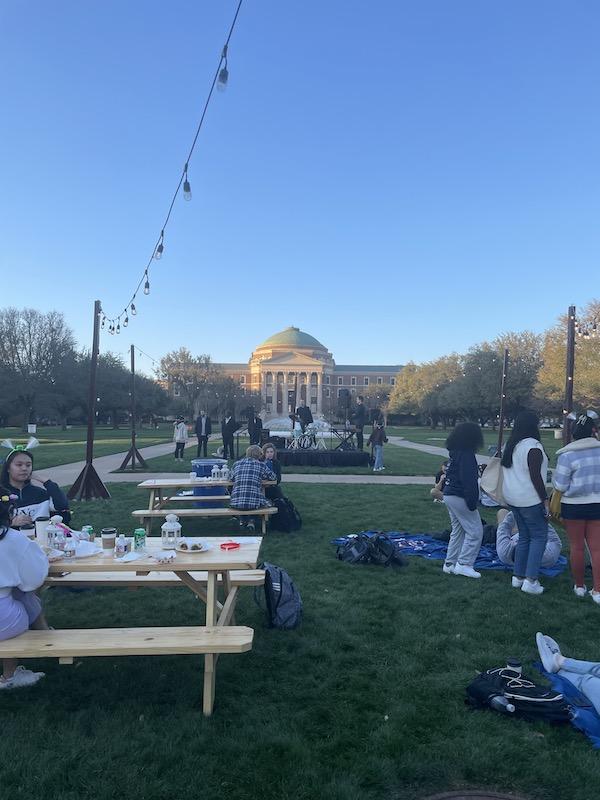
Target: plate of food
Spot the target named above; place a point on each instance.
(52, 554)
(187, 546)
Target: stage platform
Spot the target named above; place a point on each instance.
(323, 458)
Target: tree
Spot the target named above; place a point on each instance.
(33, 349)
(419, 386)
(191, 378)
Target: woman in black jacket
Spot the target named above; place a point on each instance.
(272, 462)
(37, 495)
(461, 496)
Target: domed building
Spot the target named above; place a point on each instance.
(294, 361)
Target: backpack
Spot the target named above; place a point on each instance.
(287, 518)
(375, 548)
(531, 702)
(282, 602)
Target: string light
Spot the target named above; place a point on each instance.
(219, 80)
(126, 321)
(103, 321)
(118, 327)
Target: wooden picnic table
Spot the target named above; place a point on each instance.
(214, 561)
(156, 486)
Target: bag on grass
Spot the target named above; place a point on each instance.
(287, 518)
(357, 550)
(279, 598)
(491, 480)
(375, 548)
(531, 702)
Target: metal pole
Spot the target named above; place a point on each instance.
(570, 375)
(502, 399)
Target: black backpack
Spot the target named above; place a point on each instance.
(280, 599)
(287, 518)
(498, 687)
(375, 548)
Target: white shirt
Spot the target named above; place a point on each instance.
(23, 565)
(517, 486)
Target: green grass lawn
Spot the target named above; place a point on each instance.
(365, 701)
(398, 461)
(64, 447)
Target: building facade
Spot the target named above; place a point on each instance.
(292, 367)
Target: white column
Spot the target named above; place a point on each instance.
(318, 393)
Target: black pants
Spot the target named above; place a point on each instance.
(179, 448)
(228, 446)
(202, 445)
(359, 438)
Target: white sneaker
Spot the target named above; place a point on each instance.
(22, 677)
(516, 582)
(532, 587)
(580, 591)
(468, 572)
(549, 652)
(448, 569)
(595, 596)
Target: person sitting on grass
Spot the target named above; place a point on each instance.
(247, 492)
(507, 538)
(437, 493)
(36, 495)
(23, 568)
(584, 675)
(461, 495)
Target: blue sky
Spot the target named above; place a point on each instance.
(399, 179)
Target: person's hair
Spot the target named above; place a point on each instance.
(4, 477)
(585, 425)
(466, 436)
(525, 427)
(360, 397)
(254, 451)
(266, 446)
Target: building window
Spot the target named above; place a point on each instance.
(313, 401)
(327, 380)
(340, 381)
(393, 381)
(353, 381)
(352, 391)
(340, 391)
(327, 393)
(366, 381)
(380, 381)
(269, 400)
(243, 379)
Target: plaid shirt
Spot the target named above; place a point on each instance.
(247, 492)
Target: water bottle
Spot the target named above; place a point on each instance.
(514, 665)
(69, 548)
(52, 531)
(60, 539)
(170, 532)
(499, 703)
(120, 546)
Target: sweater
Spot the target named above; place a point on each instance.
(38, 501)
(180, 434)
(462, 477)
(517, 486)
(506, 543)
(577, 473)
(23, 565)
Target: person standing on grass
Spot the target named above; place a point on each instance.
(378, 439)
(228, 428)
(359, 418)
(203, 431)
(577, 476)
(23, 568)
(524, 470)
(461, 495)
(180, 437)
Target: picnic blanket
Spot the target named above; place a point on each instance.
(584, 716)
(426, 545)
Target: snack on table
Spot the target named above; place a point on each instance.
(197, 546)
(183, 545)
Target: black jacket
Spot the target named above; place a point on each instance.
(462, 477)
(228, 428)
(255, 427)
(304, 414)
(359, 417)
(35, 501)
(207, 427)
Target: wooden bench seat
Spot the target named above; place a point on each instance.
(197, 498)
(77, 643)
(146, 515)
(242, 577)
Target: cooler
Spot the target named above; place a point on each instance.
(203, 468)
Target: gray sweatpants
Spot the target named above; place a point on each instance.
(467, 532)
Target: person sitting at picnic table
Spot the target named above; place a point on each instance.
(507, 538)
(23, 568)
(270, 458)
(247, 491)
(36, 495)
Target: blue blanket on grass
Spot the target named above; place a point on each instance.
(425, 545)
(584, 716)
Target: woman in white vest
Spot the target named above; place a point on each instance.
(524, 469)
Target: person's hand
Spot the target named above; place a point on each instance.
(20, 519)
(39, 477)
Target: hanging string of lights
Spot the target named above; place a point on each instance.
(220, 80)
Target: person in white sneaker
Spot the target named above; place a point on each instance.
(377, 439)
(524, 470)
(23, 568)
(584, 675)
(461, 495)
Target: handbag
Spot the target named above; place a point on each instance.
(491, 480)
(555, 502)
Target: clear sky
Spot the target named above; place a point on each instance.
(400, 179)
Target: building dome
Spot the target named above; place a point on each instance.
(292, 337)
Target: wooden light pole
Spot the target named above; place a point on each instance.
(133, 452)
(502, 403)
(88, 485)
(570, 375)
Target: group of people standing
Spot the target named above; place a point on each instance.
(524, 466)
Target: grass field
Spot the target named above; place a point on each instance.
(363, 702)
(64, 447)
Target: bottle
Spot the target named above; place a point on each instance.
(215, 472)
(87, 533)
(69, 548)
(52, 531)
(170, 532)
(499, 703)
(139, 540)
(120, 546)
(60, 539)
(514, 665)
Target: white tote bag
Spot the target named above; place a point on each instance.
(491, 480)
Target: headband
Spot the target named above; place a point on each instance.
(583, 418)
(19, 448)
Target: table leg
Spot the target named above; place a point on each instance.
(198, 590)
(227, 615)
(211, 599)
(208, 697)
(151, 503)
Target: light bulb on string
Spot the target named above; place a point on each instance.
(118, 327)
(126, 321)
(187, 189)
(223, 73)
(147, 286)
(160, 247)
(133, 309)
(103, 321)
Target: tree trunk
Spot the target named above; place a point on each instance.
(115, 419)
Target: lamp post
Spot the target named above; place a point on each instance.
(570, 374)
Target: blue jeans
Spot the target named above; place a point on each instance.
(533, 537)
(378, 451)
(585, 676)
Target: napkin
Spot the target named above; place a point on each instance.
(86, 549)
(129, 557)
(164, 556)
